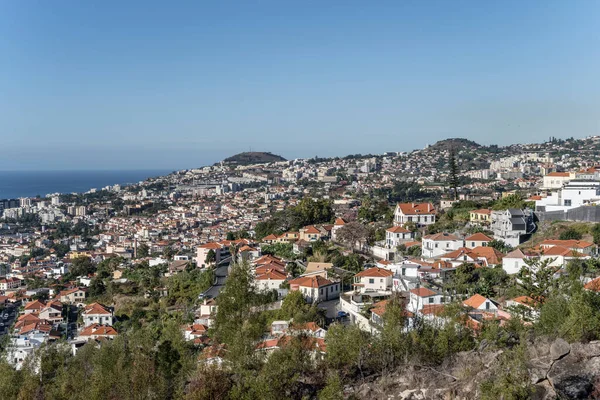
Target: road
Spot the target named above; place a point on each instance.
(221, 277)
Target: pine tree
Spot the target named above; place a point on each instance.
(453, 173)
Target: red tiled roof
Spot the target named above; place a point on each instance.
(375, 272)
(423, 292)
(311, 281)
(416, 208)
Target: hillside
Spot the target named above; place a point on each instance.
(253, 157)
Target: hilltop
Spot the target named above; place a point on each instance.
(253, 157)
(456, 143)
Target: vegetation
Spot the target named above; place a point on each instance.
(307, 212)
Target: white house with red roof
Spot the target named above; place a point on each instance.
(421, 214)
(580, 246)
(10, 283)
(560, 256)
(480, 303)
(477, 240)
(221, 252)
(439, 244)
(397, 235)
(96, 313)
(339, 222)
(316, 288)
(97, 331)
(513, 262)
(420, 297)
(271, 279)
(373, 280)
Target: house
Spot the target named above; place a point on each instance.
(269, 239)
(478, 302)
(420, 297)
(480, 217)
(579, 246)
(96, 313)
(248, 253)
(195, 331)
(514, 261)
(10, 283)
(560, 256)
(593, 285)
(97, 331)
(484, 256)
(271, 279)
(524, 306)
(339, 222)
(279, 327)
(373, 280)
(310, 234)
(511, 224)
(52, 312)
(33, 307)
(316, 288)
(439, 244)
(556, 180)
(318, 267)
(421, 214)
(72, 296)
(574, 194)
(220, 249)
(378, 311)
(308, 329)
(397, 235)
(477, 240)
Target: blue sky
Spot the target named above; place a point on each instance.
(149, 84)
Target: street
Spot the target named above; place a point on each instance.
(221, 277)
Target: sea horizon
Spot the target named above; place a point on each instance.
(31, 183)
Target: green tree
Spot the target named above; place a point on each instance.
(211, 257)
(570, 234)
(453, 180)
(537, 279)
(143, 250)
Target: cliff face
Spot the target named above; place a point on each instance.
(555, 370)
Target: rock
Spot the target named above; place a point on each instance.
(574, 387)
(543, 391)
(538, 368)
(559, 349)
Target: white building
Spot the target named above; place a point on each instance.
(573, 194)
(439, 244)
(556, 180)
(373, 280)
(421, 297)
(509, 225)
(397, 235)
(514, 261)
(421, 214)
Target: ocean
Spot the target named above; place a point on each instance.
(15, 184)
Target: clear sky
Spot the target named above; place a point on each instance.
(173, 84)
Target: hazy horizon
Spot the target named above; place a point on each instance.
(137, 86)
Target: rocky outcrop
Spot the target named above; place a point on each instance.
(557, 369)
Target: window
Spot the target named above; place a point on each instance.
(472, 244)
(431, 300)
(567, 203)
(436, 245)
(487, 305)
(447, 245)
(371, 280)
(403, 271)
(381, 281)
